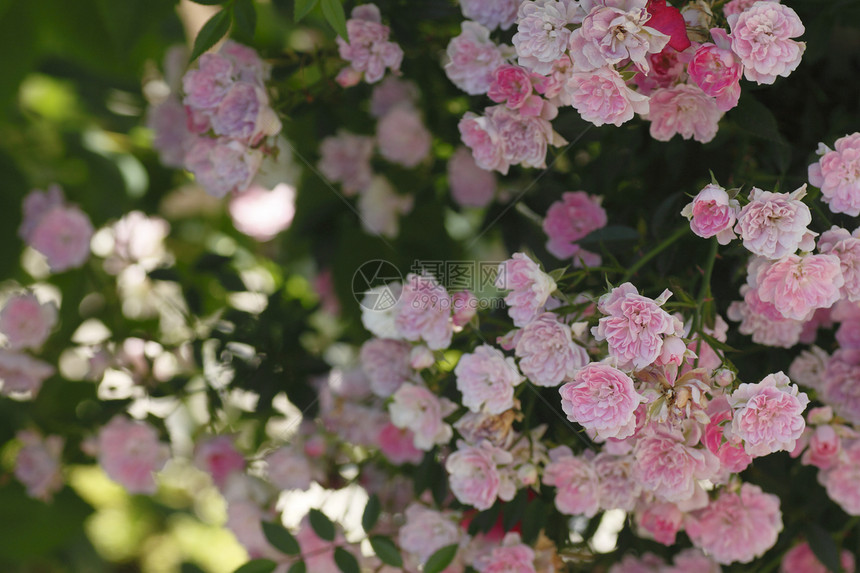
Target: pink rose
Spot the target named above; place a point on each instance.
(801, 559)
(473, 473)
(380, 207)
(386, 364)
(548, 355)
(668, 466)
(62, 234)
(661, 521)
(392, 92)
(729, 449)
(693, 561)
(617, 487)
(262, 214)
(768, 416)
(487, 378)
(530, 287)
(130, 454)
(576, 482)
(396, 444)
(686, 110)
(602, 97)
(569, 220)
(761, 37)
(290, 468)
(511, 557)
(418, 409)
(222, 165)
(472, 59)
(841, 480)
(37, 465)
(763, 328)
(471, 186)
(824, 448)
(512, 86)
(846, 246)
(774, 225)
(218, 457)
(491, 13)
(713, 213)
(424, 312)
(427, 530)
(837, 174)
(367, 48)
(171, 137)
(840, 388)
(716, 70)
(25, 322)
(543, 33)
(402, 137)
(22, 374)
(796, 286)
(345, 159)
(603, 399)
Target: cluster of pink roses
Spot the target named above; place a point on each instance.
(611, 61)
(219, 129)
(367, 48)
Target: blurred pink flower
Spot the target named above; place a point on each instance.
(130, 454)
(37, 465)
(837, 174)
(472, 59)
(569, 220)
(26, 322)
(261, 213)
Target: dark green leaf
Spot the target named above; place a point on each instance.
(610, 234)
(321, 525)
(441, 559)
(822, 545)
(257, 566)
(334, 15)
(716, 344)
(245, 18)
(371, 513)
(213, 30)
(302, 8)
(485, 520)
(190, 568)
(534, 519)
(513, 511)
(346, 561)
(754, 117)
(386, 550)
(298, 567)
(280, 538)
(209, 2)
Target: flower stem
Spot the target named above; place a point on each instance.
(667, 242)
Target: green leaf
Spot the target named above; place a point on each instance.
(485, 520)
(534, 519)
(190, 568)
(512, 512)
(825, 549)
(386, 550)
(321, 525)
(441, 559)
(210, 2)
(302, 8)
(298, 567)
(257, 566)
(212, 31)
(346, 561)
(245, 18)
(716, 344)
(334, 15)
(280, 538)
(371, 513)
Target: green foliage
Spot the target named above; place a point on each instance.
(441, 559)
(257, 566)
(371, 513)
(213, 30)
(280, 538)
(321, 525)
(386, 550)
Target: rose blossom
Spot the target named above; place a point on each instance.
(222, 165)
(424, 312)
(647, 563)
(735, 7)
(686, 110)
(837, 174)
(471, 186)
(367, 48)
(838, 241)
(391, 93)
(397, 445)
(22, 374)
(345, 159)
(798, 285)
(26, 322)
(37, 465)
(386, 364)
(617, 488)
(774, 225)
(668, 466)
(667, 69)
(761, 38)
(420, 410)
(512, 556)
(601, 96)
(764, 329)
(840, 388)
(218, 457)
(635, 326)
(472, 59)
(730, 451)
(62, 234)
(402, 137)
(261, 213)
(548, 355)
(486, 378)
(602, 398)
(576, 482)
(841, 480)
(801, 559)
(737, 526)
(716, 70)
(768, 416)
(473, 474)
(130, 454)
(693, 561)
(491, 13)
(427, 530)
(661, 520)
(290, 468)
(808, 367)
(713, 213)
(542, 33)
(512, 86)
(569, 220)
(824, 448)
(530, 287)
(380, 207)
(168, 122)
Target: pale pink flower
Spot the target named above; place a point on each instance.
(391, 93)
(768, 415)
(576, 482)
(512, 556)
(668, 68)
(840, 388)
(846, 246)
(796, 286)
(661, 521)
(837, 174)
(380, 208)
(717, 71)
(36, 205)
(491, 13)
(421, 411)
(542, 33)
(25, 322)
(524, 137)
(569, 220)
(386, 364)
(37, 464)
(841, 480)
(668, 466)
(222, 165)
(473, 473)
(686, 110)
(635, 326)
(472, 59)
(345, 159)
(737, 526)
(808, 368)
(290, 468)
(471, 186)
(512, 86)
(207, 85)
(601, 96)
(647, 563)
(244, 114)
(801, 559)
(548, 355)
(367, 48)
(824, 448)
(58, 231)
(553, 83)
(761, 38)
(734, 7)
(713, 213)
(617, 487)
(397, 445)
(481, 135)
(261, 213)
(848, 335)
(218, 457)
(728, 448)
(530, 287)
(424, 312)
(244, 520)
(774, 225)
(402, 137)
(427, 530)
(603, 399)
(764, 329)
(21, 374)
(130, 454)
(614, 32)
(171, 138)
(138, 239)
(693, 561)
(487, 378)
